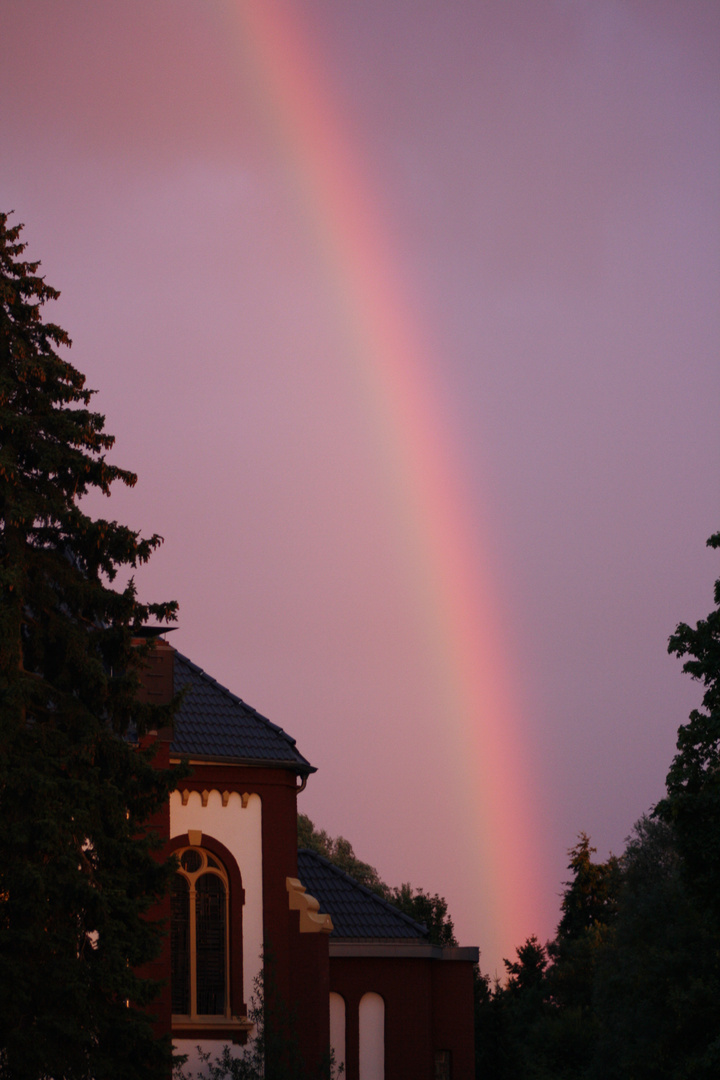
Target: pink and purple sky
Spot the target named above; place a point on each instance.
(406, 315)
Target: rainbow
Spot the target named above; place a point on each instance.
(482, 713)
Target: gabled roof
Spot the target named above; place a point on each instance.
(213, 723)
(356, 912)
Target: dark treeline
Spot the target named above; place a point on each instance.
(629, 989)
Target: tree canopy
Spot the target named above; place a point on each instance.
(630, 985)
(692, 803)
(78, 874)
(339, 852)
(431, 911)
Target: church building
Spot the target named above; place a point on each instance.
(350, 970)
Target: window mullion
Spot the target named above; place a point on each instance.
(227, 949)
(193, 952)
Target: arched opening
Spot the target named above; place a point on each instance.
(199, 936)
(337, 1028)
(372, 1037)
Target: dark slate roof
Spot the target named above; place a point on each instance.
(214, 723)
(356, 912)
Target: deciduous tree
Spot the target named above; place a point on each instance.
(432, 911)
(339, 851)
(656, 985)
(692, 804)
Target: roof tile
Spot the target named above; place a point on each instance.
(356, 911)
(213, 722)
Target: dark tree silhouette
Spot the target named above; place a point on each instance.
(77, 873)
(692, 804)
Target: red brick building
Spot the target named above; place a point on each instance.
(400, 1007)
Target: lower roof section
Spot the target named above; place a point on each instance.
(356, 912)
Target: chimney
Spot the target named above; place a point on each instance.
(156, 674)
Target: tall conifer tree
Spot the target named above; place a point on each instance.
(77, 870)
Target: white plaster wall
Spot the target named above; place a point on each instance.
(372, 1037)
(240, 830)
(337, 1028)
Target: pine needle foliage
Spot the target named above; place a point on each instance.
(78, 874)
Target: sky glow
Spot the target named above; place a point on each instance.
(406, 316)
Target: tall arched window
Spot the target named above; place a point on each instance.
(199, 936)
(337, 1028)
(372, 1037)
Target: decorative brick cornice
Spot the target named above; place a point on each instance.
(205, 795)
